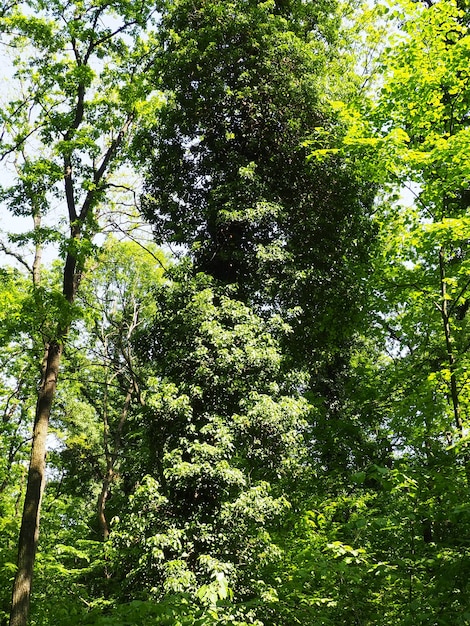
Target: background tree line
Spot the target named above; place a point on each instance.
(258, 414)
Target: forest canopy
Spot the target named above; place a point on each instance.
(234, 296)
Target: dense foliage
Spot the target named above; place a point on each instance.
(263, 421)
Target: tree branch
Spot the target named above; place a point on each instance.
(16, 256)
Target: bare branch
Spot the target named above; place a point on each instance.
(16, 256)
(139, 243)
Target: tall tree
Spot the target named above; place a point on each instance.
(228, 174)
(79, 73)
(426, 96)
(211, 452)
(414, 136)
(418, 137)
(118, 297)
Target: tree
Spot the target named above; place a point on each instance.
(219, 435)
(417, 133)
(80, 73)
(117, 297)
(227, 163)
(414, 135)
(99, 384)
(425, 99)
(435, 141)
(17, 377)
(229, 178)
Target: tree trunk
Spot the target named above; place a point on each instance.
(453, 388)
(29, 531)
(454, 394)
(111, 460)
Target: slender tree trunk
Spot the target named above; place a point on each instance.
(454, 394)
(37, 253)
(453, 387)
(111, 460)
(29, 532)
(104, 493)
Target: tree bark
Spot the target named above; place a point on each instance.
(29, 532)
